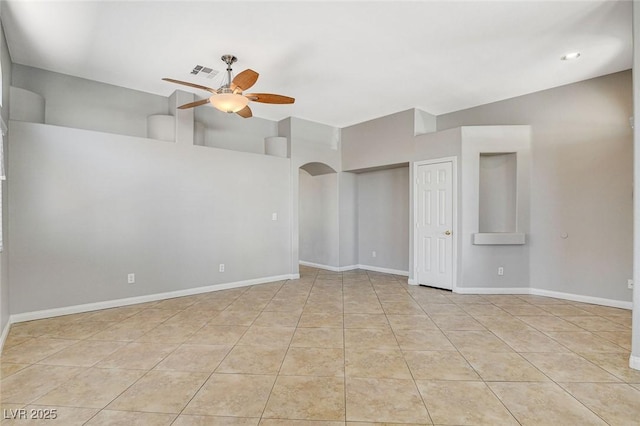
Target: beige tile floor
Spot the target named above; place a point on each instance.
(351, 348)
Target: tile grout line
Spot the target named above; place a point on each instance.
(543, 373)
(149, 370)
(402, 352)
(93, 366)
(246, 290)
(471, 365)
(286, 352)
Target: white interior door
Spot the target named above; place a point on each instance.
(434, 225)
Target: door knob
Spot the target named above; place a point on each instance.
(447, 232)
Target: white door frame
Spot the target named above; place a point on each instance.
(454, 225)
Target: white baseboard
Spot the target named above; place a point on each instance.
(320, 266)
(488, 290)
(547, 293)
(580, 298)
(56, 312)
(352, 267)
(384, 270)
(491, 290)
(634, 362)
(5, 333)
(349, 268)
(363, 267)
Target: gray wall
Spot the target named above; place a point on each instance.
(581, 182)
(380, 142)
(88, 208)
(7, 66)
(318, 221)
(87, 104)
(4, 256)
(383, 218)
(348, 219)
(384, 141)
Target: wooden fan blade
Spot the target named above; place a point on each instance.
(195, 86)
(269, 98)
(194, 104)
(244, 80)
(245, 112)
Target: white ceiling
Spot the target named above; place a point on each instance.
(344, 62)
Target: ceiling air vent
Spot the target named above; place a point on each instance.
(204, 72)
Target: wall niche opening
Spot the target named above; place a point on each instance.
(498, 197)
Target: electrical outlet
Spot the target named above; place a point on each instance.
(274, 216)
(500, 271)
(373, 254)
(221, 268)
(630, 284)
(131, 278)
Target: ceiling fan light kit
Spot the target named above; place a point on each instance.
(229, 102)
(229, 98)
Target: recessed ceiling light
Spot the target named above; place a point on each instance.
(570, 56)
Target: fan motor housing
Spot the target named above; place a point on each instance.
(229, 59)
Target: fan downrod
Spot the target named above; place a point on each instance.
(228, 59)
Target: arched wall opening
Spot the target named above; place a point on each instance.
(317, 169)
(318, 231)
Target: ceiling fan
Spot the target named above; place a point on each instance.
(229, 97)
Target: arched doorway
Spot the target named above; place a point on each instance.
(318, 233)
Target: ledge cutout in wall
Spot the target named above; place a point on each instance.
(499, 238)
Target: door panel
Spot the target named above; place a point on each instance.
(434, 224)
